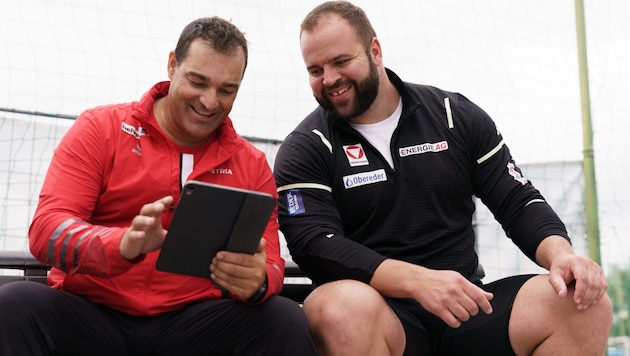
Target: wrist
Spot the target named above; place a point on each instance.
(259, 294)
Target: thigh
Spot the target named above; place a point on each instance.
(37, 319)
(412, 315)
(486, 334)
(480, 335)
(228, 327)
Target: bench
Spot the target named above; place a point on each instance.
(296, 285)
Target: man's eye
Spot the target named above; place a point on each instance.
(228, 92)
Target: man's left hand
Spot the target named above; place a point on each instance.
(240, 273)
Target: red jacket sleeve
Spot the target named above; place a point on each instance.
(60, 234)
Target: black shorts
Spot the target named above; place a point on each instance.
(481, 335)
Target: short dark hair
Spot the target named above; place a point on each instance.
(222, 35)
(353, 14)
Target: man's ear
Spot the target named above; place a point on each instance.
(375, 51)
(171, 65)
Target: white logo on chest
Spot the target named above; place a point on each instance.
(221, 171)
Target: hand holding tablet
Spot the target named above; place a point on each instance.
(211, 218)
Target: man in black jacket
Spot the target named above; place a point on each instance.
(376, 190)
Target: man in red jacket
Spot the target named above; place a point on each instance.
(104, 212)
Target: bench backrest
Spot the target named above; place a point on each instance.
(297, 287)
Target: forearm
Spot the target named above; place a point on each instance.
(446, 294)
(397, 279)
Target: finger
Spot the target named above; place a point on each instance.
(218, 274)
(585, 286)
(157, 207)
(227, 268)
(583, 293)
(131, 243)
(232, 258)
(590, 291)
(261, 245)
(558, 283)
(460, 312)
(167, 200)
(235, 290)
(484, 303)
(245, 260)
(479, 299)
(135, 235)
(468, 306)
(163, 205)
(242, 287)
(151, 209)
(450, 319)
(142, 223)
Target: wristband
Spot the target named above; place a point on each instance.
(259, 295)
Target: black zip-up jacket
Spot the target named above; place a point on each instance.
(343, 209)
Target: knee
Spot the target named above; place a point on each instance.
(602, 315)
(598, 315)
(293, 319)
(285, 329)
(15, 295)
(19, 292)
(342, 302)
(596, 320)
(591, 326)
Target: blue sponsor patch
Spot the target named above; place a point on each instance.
(295, 204)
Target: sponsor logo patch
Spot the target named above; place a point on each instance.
(356, 156)
(295, 204)
(514, 173)
(135, 132)
(357, 180)
(423, 148)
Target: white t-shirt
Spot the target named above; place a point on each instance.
(380, 133)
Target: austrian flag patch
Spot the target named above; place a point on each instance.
(356, 156)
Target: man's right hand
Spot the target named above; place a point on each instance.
(145, 233)
(446, 294)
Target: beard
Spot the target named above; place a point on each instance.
(365, 94)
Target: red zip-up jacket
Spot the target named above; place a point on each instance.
(111, 162)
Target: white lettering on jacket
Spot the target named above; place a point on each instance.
(224, 171)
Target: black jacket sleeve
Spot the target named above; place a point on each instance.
(517, 205)
(309, 217)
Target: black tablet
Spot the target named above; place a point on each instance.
(211, 218)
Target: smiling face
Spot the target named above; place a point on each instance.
(342, 73)
(201, 94)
